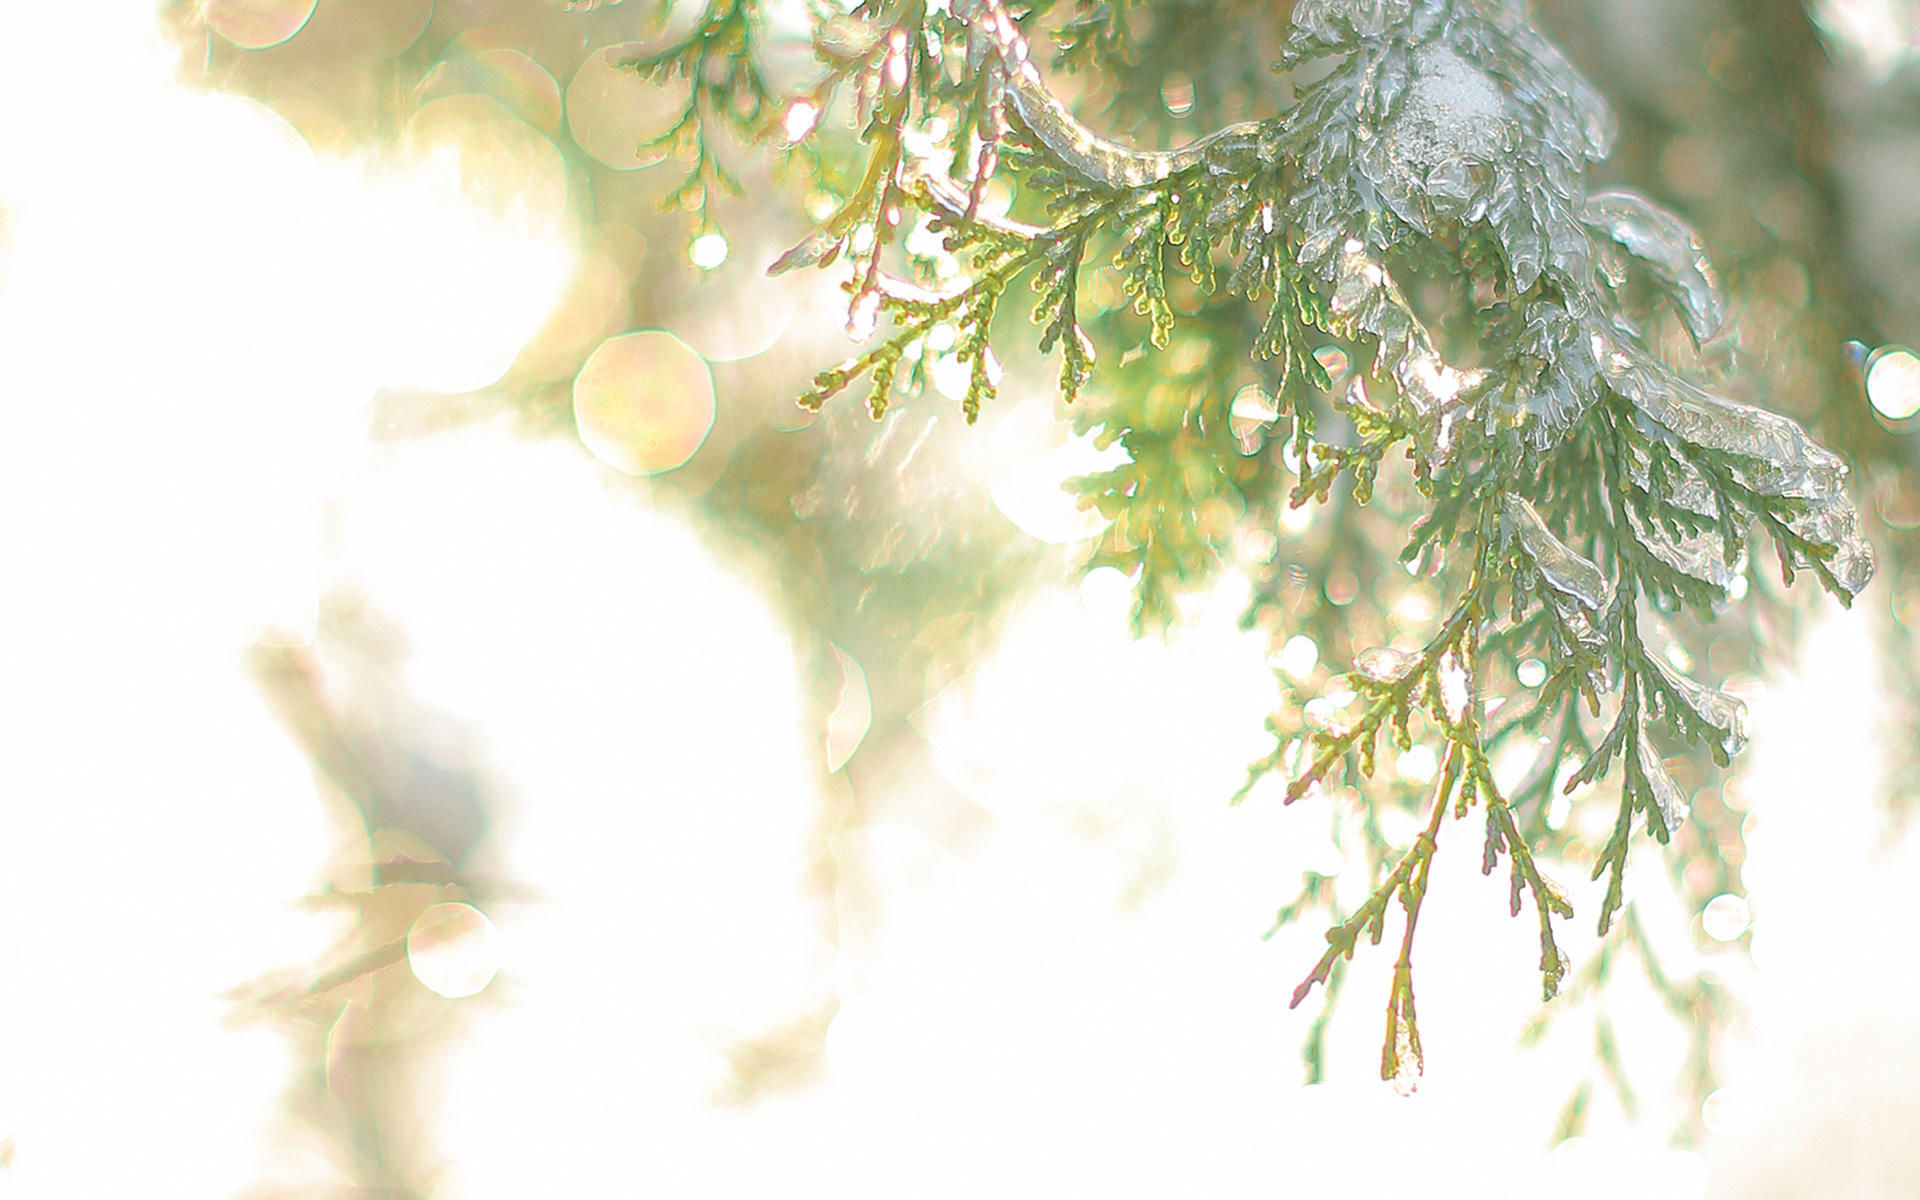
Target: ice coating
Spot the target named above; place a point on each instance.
(1334, 22)
(1434, 395)
(1384, 664)
(1668, 249)
(1564, 572)
(1459, 110)
(1444, 112)
(1452, 111)
(1667, 796)
(1786, 461)
(1701, 556)
(1714, 708)
(1456, 686)
(1852, 562)
(1093, 158)
(1775, 456)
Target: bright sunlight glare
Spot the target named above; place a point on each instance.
(194, 309)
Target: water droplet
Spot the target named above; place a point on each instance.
(1667, 796)
(896, 67)
(1249, 416)
(990, 363)
(1532, 673)
(1406, 1058)
(1720, 1111)
(1252, 404)
(852, 712)
(453, 950)
(1559, 809)
(1177, 94)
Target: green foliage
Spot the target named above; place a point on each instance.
(1406, 279)
(725, 86)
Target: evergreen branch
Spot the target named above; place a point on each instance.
(1090, 158)
(1401, 1057)
(1548, 901)
(1407, 677)
(719, 61)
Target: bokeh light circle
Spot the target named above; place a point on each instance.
(453, 950)
(594, 306)
(509, 76)
(1726, 917)
(612, 111)
(257, 24)
(644, 402)
(363, 29)
(1893, 382)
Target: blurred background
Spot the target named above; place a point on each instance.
(469, 734)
